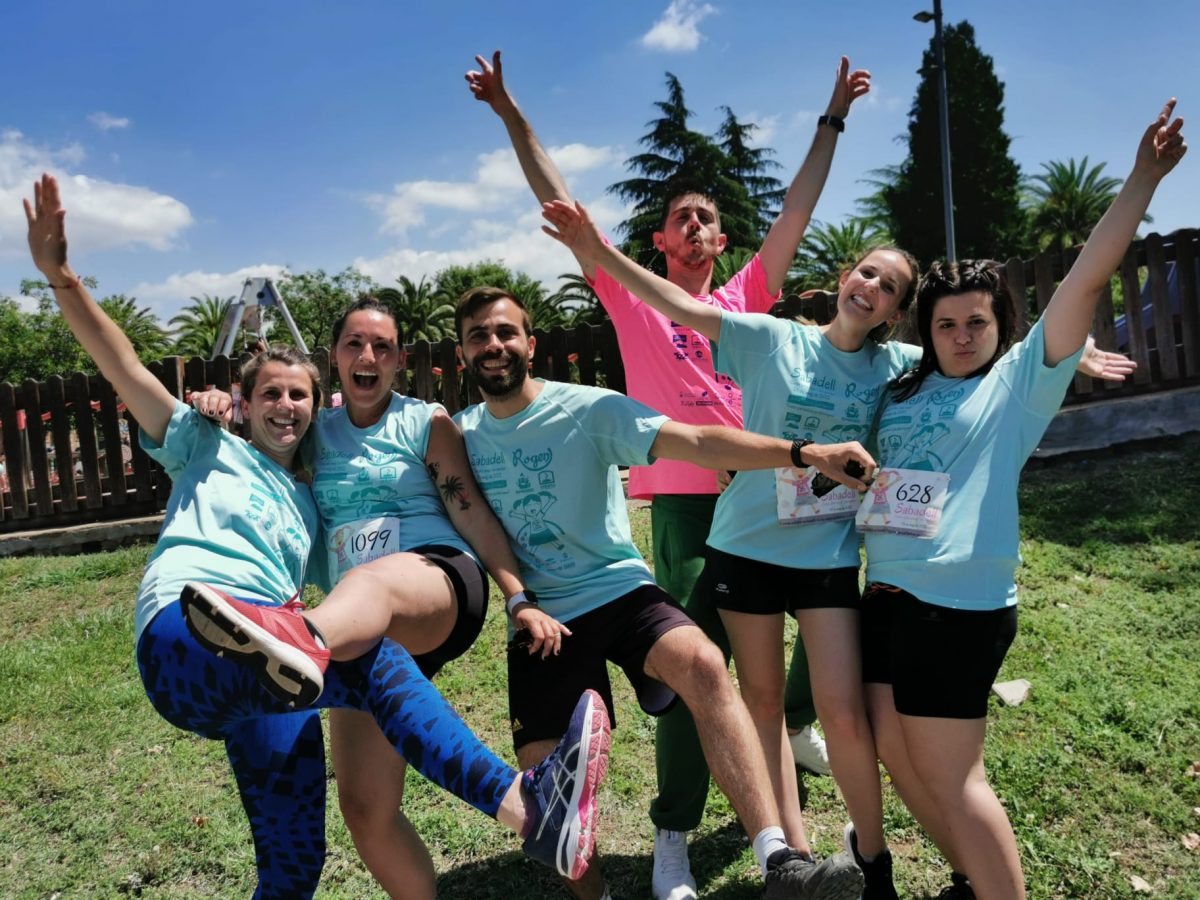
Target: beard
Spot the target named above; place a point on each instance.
(500, 385)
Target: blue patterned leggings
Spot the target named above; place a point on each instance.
(278, 756)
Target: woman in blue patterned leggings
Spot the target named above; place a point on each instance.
(239, 518)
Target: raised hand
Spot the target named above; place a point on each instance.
(1162, 144)
(47, 234)
(847, 87)
(573, 228)
(487, 84)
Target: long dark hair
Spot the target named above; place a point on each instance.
(945, 279)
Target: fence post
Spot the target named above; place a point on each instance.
(1132, 289)
(14, 451)
(1189, 298)
(60, 428)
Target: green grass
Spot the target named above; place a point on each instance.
(101, 798)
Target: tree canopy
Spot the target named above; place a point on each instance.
(677, 159)
(986, 181)
(1066, 200)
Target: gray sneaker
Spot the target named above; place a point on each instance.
(790, 875)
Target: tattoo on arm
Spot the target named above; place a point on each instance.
(452, 488)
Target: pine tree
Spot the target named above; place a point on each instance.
(986, 182)
(678, 160)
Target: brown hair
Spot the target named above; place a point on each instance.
(478, 297)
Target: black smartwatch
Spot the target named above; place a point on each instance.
(837, 123)
(798, 446)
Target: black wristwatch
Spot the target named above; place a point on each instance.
(797, 447)
(837, 123)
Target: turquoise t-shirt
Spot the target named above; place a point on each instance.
(796, 385)
(550, 474)
(364, 473)
(979, 431)
(235, 519)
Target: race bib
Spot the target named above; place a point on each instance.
(904, 501)
(360, 542)
(797, 503)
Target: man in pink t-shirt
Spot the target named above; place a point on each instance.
(670, 368)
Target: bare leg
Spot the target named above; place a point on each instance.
(692, 666)
(947, 757)
(889, 743)
(402, 596)
(757, 643)
(591, 885)
(370, 779)
(831, 640)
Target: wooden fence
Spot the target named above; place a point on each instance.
(60, 439)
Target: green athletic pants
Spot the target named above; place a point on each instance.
(679, 526)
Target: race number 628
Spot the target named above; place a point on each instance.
(914, 492)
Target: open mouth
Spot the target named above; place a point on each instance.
(365, 379)
(862, 304)
(494, 366)
(283, 424)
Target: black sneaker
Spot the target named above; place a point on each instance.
(790, 875)
(960, 888)
(877, 873)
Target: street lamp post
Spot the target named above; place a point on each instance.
(939, 49)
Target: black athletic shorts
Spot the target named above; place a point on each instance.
(470, 592)
(745, 585)
(940, 661)
(542, 693)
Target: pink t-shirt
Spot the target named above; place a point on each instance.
(669, 368)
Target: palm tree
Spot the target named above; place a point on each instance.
(730, 263)
(1067, 200)
(198, 325)
(874, 208)
(577, 299)
(422, 312)
(140, 326)
(828, 250)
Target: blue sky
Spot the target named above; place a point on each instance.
(203, 142)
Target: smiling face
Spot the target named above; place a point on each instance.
(368, 354)
(279, 410)
(691, 233)
(870, 294)
(496, 348)
(965, 333)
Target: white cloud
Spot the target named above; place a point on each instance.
(765, 128)
(518, 243)
(677, 30)
(105, 122)
(168, 297)
(498, 181)
(101, 215)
